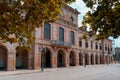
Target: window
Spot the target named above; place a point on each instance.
(100, 46)
(71, 19)
(86, 44)
(47, 31)
(80, 43)
(91, 44)
(96, 45)
(105, 47)
(72, 37)
(61, 34)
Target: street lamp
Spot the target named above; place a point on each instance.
(84, 58)
(43, 51)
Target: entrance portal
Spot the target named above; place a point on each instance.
(72, 59)
(60, 59)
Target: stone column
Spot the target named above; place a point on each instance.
(98, 59)
(54, 60)
(67, 60)
(36, 57)
(89, 59)
(94, 60)
(77, 60)
(30, 60)
(11, 60)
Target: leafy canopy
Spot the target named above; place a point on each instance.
(19, 18)
(104, 18)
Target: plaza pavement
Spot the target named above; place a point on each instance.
(91, 72)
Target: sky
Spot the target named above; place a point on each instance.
(80, 6)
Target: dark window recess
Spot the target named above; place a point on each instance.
(47, 31)
(71, 19)
(106, 48)
(61, 34)
(80, 43)
(96, 45)
(86, 44)
(72, 37)
(100, 46)
(91, 44)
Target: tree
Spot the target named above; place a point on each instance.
(19, 18)
(104, 18)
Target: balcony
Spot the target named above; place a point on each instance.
(61, 43)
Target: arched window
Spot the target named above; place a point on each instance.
(86, 44)
(47, 31)
(100, 46)
(96, 45)
(80, 42)
(61, 34)
(71, 19)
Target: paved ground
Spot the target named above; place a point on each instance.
(96, 72)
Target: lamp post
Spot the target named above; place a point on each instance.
(42, 50)
(84, 58)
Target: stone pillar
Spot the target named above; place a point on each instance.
(77, 60)
(11, 60)
(94, 60)
(54, 60)
(98, 59)
(36, 57)
(30, 60)
(67, 60)
(89, 59)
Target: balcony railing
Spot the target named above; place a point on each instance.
(61, 43)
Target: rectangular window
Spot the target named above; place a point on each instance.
(61, 34)
(47, 31)
(72, 37)
(91, 44)
(80, 42)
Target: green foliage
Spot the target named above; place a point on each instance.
(21, 17)
(104, 18)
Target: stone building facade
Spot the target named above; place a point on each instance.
(63, 43)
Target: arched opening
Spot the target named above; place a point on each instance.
(22, 59)
(47, 59)
(80, 59)
(60, 59)
(72, 59)
(92, 59)
(3, 57)
(86, 59)
(96, 59)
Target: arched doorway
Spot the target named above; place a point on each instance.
(72, 58)
(47, 59)
(60, 59)
(80, 59)
(92, 59)
(96, 59)
(3, 57)
(22, 59)
(86, 59)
